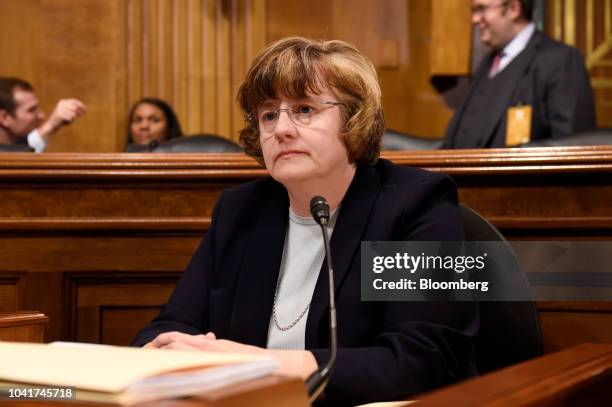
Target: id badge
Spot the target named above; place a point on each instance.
(518, 129)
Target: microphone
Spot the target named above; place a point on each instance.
(318, 380)
(319, 210)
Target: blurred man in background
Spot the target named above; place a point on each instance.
(528, 88)
(22, 122)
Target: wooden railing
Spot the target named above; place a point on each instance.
(22, 326)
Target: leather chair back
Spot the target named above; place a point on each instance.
(15, 148)
(394, 140)
(509, 331)
(595, 137)
(141, 148)
(200, 143)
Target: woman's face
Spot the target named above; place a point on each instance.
(294, 152)
(148, 123)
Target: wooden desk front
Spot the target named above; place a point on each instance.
(578, 376)
(97, 241)
(22, 326)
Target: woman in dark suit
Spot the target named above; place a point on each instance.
(255, 283)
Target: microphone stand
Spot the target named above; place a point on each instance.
(318, 380)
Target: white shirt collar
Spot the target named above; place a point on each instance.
(519, 42)
(516, 46)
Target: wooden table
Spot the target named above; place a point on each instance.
(578, 376)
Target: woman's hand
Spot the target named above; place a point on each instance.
(291, 362)
(208, 342)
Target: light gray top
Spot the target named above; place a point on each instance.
(303, 255)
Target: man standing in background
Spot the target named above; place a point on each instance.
(528, 88)
(22, 122)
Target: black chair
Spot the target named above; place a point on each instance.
(509, 331)
(595, 137)
(15, 148)
(394, 140)
(141, 148)
(201, 143)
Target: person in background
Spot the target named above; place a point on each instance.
(255, 285)
(528, 88)
(151, 122)
(22, 122)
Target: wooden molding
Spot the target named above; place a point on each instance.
(17, 318)
(237, 165)
(574, 374)
(108, 224)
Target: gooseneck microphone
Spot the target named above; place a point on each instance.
(320, 211)
(318, 380)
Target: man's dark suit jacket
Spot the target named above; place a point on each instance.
(386, 350)
(549, 76)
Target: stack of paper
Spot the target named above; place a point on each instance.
(126, 375)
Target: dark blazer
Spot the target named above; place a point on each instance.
(386, 350)
(549, 76)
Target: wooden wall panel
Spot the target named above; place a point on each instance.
(394, 34)
(77, 251)
(43, 290)
(451, 38)
(588, 26)
(286, 19)
(412, 104)
(566, 324)
(111, 308)
(20, 24)
(22, 333)
(125, 203)
(69, 48)
(11, 286)
(193, 54)
(119, 324)
(8, 296)
(44, 284)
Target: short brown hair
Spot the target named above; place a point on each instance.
(294, 66)
(7, 87)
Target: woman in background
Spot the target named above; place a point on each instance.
(151, 122)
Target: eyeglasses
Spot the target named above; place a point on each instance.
(301, 114)
(481, 9)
